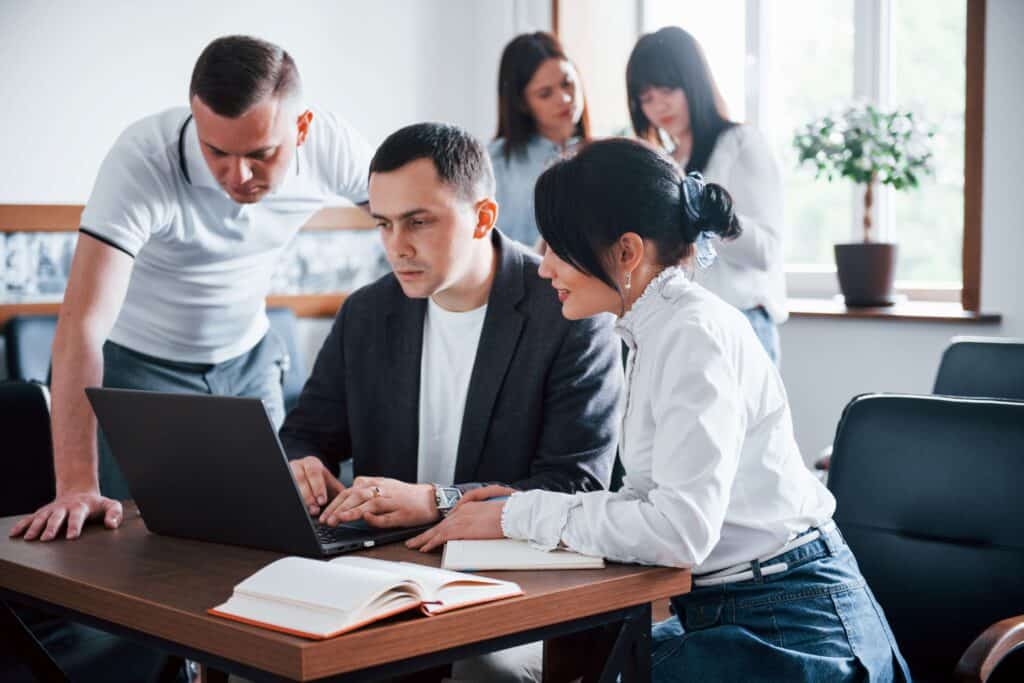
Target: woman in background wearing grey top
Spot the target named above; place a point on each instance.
(674, 103)
(541, 114)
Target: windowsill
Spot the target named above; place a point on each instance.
(923, 311)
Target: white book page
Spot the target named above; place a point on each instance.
(450, 588)
(453, 595)
(322, 585)
(512, 554)
(430, 578)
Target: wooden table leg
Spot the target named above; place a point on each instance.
(208, 674)
(601, 654)
(578, 655)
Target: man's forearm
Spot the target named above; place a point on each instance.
(74, 425)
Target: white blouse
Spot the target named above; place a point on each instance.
(714, 475)
(750, 270)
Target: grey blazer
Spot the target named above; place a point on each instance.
(542, 406)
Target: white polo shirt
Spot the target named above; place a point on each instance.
(203, 263)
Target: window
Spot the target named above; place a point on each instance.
(928, 76)
(779, 63)
(805, 72)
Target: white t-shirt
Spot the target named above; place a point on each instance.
(450, 342)
(203, 263)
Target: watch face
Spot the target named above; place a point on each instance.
(449, 497)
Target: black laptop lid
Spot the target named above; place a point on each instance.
(205, 467)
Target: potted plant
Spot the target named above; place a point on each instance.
(869, 147)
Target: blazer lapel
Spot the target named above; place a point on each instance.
(499, 337)
(404, 341)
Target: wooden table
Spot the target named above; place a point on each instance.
(156, 590)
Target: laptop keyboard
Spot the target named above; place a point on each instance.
(342, 533)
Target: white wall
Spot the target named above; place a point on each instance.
(75, 74)
(827, 362)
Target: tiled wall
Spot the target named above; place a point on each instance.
(36, 264)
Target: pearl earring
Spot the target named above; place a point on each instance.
(629, 280)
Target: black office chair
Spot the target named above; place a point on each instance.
(27, 341)
(991, 367)
(27, 461)
(983, 367)
(928, 492)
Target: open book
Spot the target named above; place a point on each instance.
(317, 599)
(508, 553)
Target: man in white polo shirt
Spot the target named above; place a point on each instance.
(189, 214)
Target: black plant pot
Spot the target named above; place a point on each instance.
(866, 271)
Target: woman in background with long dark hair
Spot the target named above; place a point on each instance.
(674, 103)
(541, 115)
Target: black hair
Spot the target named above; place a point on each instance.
(585, 203)
(519, 62)
(459, 158)
(235, 72)
(672, 58)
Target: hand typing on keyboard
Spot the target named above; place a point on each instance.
(383, 502)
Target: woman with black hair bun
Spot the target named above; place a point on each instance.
(714, 478)
(674, 103)
(542, 114)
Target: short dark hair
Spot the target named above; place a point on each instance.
(235, 72)
(672, 58)
(585, 203)
(459, 158)
(519, 62)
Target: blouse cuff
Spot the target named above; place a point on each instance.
(539, 517)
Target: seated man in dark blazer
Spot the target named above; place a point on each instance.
(458, 367)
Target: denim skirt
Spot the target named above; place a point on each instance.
(816, 621)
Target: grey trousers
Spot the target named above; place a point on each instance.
(256, 374)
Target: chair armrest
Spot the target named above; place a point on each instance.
(989, 649)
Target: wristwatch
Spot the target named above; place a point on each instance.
(446, 497)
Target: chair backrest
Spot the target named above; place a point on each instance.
(928, 492)
(990, 367)
(28, 339)
(283, 321)
(27, 453)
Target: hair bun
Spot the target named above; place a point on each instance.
(716, 213)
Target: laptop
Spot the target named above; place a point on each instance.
(211, 468)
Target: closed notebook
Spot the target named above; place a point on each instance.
(317, 599)
(511, 554)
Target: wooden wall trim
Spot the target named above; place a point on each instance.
(67, 218)
(340, 218)
(304, 306)
(40, 217)
(974, 138)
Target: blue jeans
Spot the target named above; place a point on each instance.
(258, 373)
(816, 621)
(766, 330)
